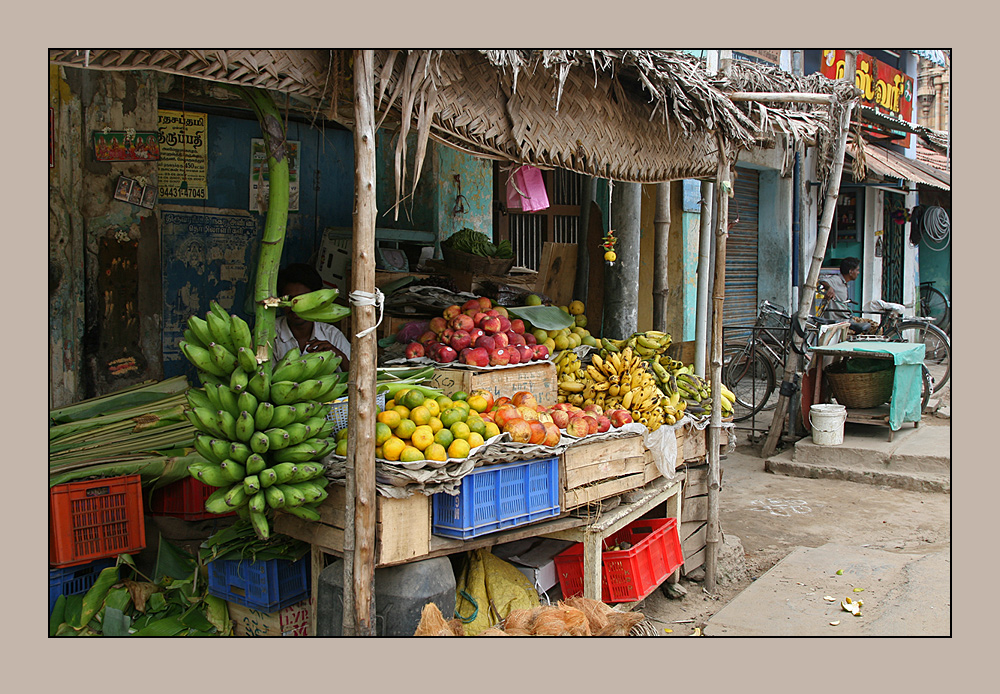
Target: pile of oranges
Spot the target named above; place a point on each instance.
(413, 427)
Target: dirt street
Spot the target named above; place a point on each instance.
(773, 514)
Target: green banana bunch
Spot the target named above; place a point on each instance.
(262, 426)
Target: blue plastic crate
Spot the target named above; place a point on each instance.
(267, 586)
(74, 580)
(497, 497)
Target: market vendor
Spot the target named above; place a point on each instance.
(836, 287)
(293, 331)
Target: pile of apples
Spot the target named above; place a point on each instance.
(528, 422)
(478, 334)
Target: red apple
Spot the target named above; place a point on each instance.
(526, 353)
(530, 339)
(427, 338)
(471, 303)
(513, 356)
(500, 340)
(481, 356)
(414, 350)
(559, 417)
(541, 351)
(438, 324)
(537, 431)
(451, 312)
(501, 311)
(479, 318)
(486, 342)
(516, 339)
(594, 409)
(603, 424)
(460, 340)
(620, 418)
(474, 335)
(578, 427)
(519, 430)
(445, 336)
(471, 313)
(462, 322)
(592, 423)
(491, 324)
(552, 434)
(499, 357)
(493, 312)
(517, 325)
(504, 324)
(445, 354)
(484, 303)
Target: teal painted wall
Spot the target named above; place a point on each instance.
(475, 184)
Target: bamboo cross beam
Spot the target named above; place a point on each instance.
(783, 97)
(793, 362)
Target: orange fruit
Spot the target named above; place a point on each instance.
(422, 437)
(397, 399)
(432, 406)
(491, 430)
(403, 411)
(405, 429)
(378, 453)
(459, 395)
(477, 425)
(435, 424)
(475, 440)
(436, 452)
(420, 415)
(458, 449)
(444, 437)
(342, 434)
(463, 406)
(390, 418)
(392, 448)
(452, 415)
(413, 398)
(342, 447)
(443, 402)
(411, 455)
(460, 430)
(382, 433)
(389, 404)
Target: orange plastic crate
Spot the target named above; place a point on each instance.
(94, 519)
(184, 499)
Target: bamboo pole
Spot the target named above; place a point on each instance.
(704, 261)
(621, 287)
(782, 97)
(723, 188)
(361, 403)
(661, 284)
(793, 363)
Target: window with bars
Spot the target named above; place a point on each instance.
(527, 231)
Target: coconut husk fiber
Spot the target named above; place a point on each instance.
(561, 620)
(433, 623)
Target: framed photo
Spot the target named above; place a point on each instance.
(126, 146)
(148, 197)
(123, 190)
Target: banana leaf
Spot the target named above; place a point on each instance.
(133, 396)
(543, 317)
(115, 622)
(158, 471)
(173, 562)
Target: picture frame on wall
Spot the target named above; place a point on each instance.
(135, 194)
(148, 196)
(123, 189)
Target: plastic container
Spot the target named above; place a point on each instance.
(497, 497)
(629, 574)
(184, 499)
(267, 586)
(94, 519)
(338, 412)
(401, 592)
(74, 580)
(827, 424)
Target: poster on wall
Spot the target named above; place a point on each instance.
(207, 255)
(259, 179)
(183, 168)
(126, 145)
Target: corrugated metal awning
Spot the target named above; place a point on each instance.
(937, 57)
(885, 162)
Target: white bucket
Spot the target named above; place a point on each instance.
(827, 424)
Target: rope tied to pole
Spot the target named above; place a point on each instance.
(359, 298)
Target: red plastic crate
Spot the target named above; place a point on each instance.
(183, 499)
(95, 519)
(629, 574)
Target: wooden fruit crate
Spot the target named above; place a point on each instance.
(591, 471)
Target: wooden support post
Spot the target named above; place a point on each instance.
(793, 365)
(621, 286)
(723, 188)
(361, 388)
(582, 284)
(592, 551)
(782, 97)
(661, 284)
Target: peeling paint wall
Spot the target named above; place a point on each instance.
(458, 174)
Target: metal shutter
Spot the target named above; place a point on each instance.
(740, 306)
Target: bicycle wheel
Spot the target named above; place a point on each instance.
(935, 305)
(937, 348)
(926, 387)
(750, 375)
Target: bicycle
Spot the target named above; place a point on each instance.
(916, 329)
(935, 305)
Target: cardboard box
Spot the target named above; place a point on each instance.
(537, 378)
(535, 558)
(291, 621)
(334, 261)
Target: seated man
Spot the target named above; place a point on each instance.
(836, 289)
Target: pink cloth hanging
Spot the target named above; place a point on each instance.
(526, 190)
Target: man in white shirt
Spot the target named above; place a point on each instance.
(295, 332)
(836, 287)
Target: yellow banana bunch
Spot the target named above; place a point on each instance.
(622, 379)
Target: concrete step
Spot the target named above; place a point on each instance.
(784, 464)
(903, 595)
(923, 449)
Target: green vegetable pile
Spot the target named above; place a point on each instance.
(471, 241)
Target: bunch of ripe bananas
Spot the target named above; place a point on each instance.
(263, 425)
(697, 392)
(623, 380)
(572, 380)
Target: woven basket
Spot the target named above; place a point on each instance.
(861, 390)
(476, 264)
